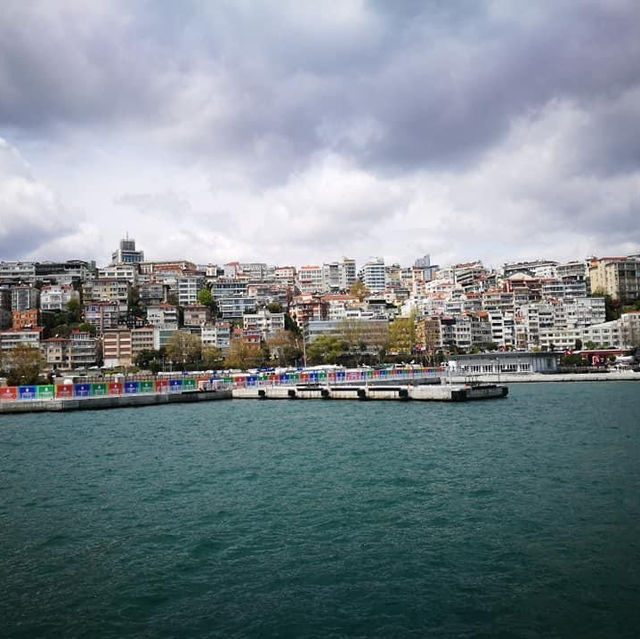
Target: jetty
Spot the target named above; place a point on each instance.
(423, 392)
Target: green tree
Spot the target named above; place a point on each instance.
(134, 305)
(402, 335)
(74, 311)
(183, 348)
(326, 349)
(212, 358)
(359, 290)
(25, 364)
(205, 298)
(612, 308)
(275, 307)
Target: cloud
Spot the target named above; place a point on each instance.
(30, 213)
(292, 130)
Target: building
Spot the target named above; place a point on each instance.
(127, 254)
(18, 273)
(107, 290)
(55, 351)
(310, 279)
(196, 315)
(103, 315)
(116, 348)
(618, 277)
(29, 318)
(24, 298)
(55, 297)
(64, 273)
(188, 289)
(495, 363)
(120, 271)
(11, 338)
(141, 340)
(373, 275)
(83, 349)
(216, 336)
(165, 315)
(265, 322)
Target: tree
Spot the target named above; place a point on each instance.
(275, 307)
(326, 349)
(243, 355)
(183, 348)
(205, 298)
(212, 358)
(402, 335)
(74, 311)
(578, 344)
(150, 360)
(359, 290)
(25, 364)
(284, 347)
(134, 306)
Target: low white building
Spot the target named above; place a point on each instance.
(56, 297)
(264, 321)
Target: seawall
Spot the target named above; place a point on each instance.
(115, 401)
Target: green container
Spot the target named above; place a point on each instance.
(45, 391)
(188, 383)
(98, 389)
(146, 386)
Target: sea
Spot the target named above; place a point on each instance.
(517, 517)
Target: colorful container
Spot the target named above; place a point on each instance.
(45, 391)
(131, 388)
(64, 391)
(114, 388)
(9, 392)
(98, 389)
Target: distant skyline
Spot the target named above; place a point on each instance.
(297, 132)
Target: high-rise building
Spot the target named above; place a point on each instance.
(127, 253)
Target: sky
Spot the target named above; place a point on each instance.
(296, 132)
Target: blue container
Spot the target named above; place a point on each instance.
(26, 392)
(131, 388)
(81, 390)
(175, 385)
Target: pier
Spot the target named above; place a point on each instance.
(433, 393)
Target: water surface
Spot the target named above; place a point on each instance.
(508, 518)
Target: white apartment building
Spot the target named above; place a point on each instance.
(127, 272)
(164, 315)
(188, 288)
(285, 275)
(216, 336)
(373, 275)
(310, 279)
(56, 297)
(264, 321)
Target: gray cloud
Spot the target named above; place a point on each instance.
(254, 96)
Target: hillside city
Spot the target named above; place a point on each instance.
(134, 314)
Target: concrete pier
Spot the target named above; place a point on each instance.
(114, 401)
(442, 393)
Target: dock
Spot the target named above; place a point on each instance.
(434, 393)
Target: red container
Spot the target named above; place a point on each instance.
(161, 385)
(64, 390)
(114, 388)
(9, 392)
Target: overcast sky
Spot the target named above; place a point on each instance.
(295, 132)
